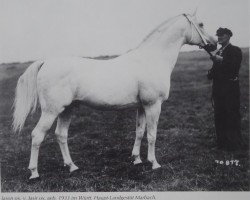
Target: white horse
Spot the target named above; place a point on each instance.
(139, 78)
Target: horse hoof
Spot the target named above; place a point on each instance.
(156, 166)
(74, 173)
(73, 168)
(34, 180)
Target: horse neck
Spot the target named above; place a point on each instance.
(165, 42)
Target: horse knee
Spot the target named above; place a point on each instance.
(151, 138)
(61, 136)
(139, 134)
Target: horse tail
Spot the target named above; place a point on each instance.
(26, 95)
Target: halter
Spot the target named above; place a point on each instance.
(197, 29)
(208, 47)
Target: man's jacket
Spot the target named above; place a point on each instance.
(225, 74)
(228, 69)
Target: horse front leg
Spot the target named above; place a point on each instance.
(140, 129)
(152, 116)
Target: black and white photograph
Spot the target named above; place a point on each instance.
(124, 99)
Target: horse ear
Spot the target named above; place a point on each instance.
(195, 11)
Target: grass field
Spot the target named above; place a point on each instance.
(101, 142)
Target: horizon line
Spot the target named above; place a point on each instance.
(107, 56)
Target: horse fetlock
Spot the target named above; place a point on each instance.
(137, 160)
(156, 165)
(34, 173)
(71, 165)
(68, 163)
(154, 162)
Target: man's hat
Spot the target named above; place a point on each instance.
(222, 31)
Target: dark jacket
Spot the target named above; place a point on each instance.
(229, 68)
(225, 74)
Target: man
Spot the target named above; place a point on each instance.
(226, 92)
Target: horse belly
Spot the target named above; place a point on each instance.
(108, 100)
(108, 91)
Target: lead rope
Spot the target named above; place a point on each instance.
(205, 42)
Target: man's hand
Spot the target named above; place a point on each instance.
(216, 58)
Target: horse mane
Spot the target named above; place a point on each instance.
(159, 29)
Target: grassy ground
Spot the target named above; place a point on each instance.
(101, 142)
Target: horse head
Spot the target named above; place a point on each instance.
(196, 34)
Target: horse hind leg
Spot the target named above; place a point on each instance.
(140, 129)
(61, 132)
(45, 122)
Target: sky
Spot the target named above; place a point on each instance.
(39, 29)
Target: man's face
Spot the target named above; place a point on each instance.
(223, 39)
